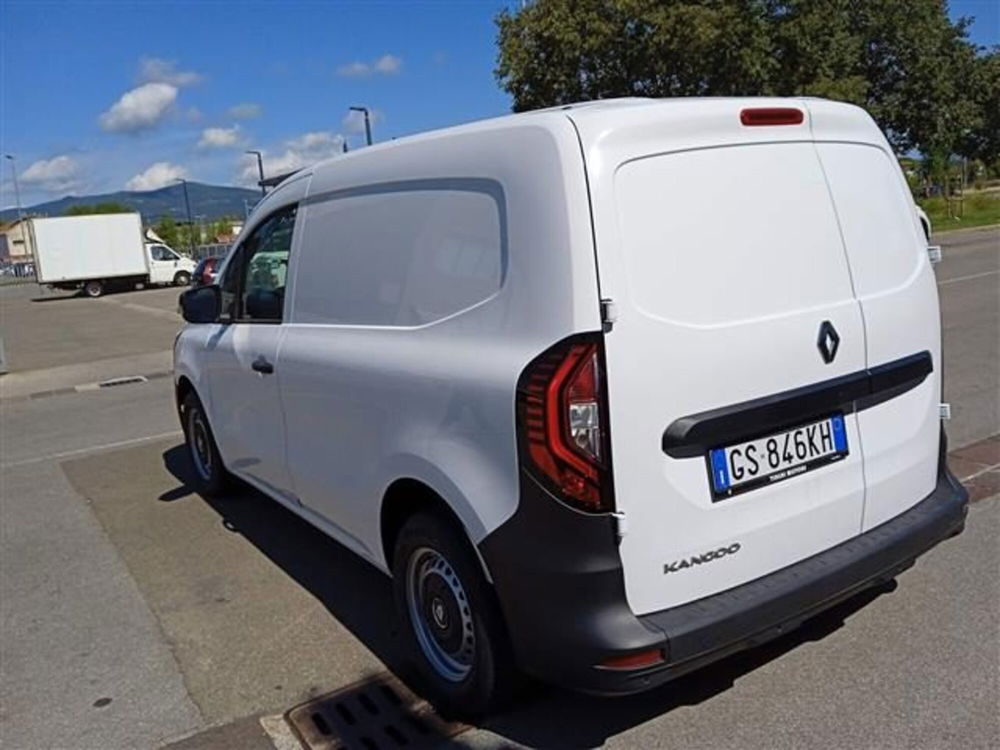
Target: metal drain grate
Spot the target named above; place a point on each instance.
(122, 381)
(379, 713)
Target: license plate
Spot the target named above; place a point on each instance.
(773, 458)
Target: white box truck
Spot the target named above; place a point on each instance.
(102, 251)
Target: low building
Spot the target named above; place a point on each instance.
(15, 242)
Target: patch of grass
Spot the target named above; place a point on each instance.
(974, 210)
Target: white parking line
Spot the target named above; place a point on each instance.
(90, 449)
(967, 278)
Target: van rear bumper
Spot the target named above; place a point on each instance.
(559, 579)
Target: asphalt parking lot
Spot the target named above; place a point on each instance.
(137, 614)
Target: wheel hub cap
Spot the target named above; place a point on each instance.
(440, 614)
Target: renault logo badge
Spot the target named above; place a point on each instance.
(828, 341)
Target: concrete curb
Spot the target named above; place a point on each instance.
(67, 378)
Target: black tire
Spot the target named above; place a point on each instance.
(209, 476)
(93, 289)
(460, 618)
(182, 278)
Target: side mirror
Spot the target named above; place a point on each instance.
(201, 304)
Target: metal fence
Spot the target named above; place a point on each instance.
(21, 272)
(207, 251)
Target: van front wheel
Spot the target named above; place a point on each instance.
(452, 622)
(209, 476)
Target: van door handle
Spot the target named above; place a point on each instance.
(262, 366)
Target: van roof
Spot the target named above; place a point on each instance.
(596, 119)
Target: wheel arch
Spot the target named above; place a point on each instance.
(407, 496)
(182, 388)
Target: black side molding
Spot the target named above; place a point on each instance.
(693, 435)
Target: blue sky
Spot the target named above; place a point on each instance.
(102, 95)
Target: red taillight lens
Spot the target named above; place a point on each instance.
(772, 116)
(640, 660)
(562, 414)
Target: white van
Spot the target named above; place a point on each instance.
(611, 390)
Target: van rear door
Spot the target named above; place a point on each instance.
(720, 249)
(897, 290)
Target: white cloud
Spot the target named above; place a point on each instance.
(140, 109)
(298, 152)
(55, 175)
(356, 69)
(385, 65)
(220, 137)
(158, 70)
(354, 122)
(388, 65)
(245, 111)
(156, 176)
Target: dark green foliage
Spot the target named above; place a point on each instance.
(166, 229)
(905, 61)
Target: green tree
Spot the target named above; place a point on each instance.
(905, 61)
(166, 229)
(558, 51)
(109, 207)
(982, 142)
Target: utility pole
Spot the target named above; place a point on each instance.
(260, 169)
(368, 122)
(17, 190)
(187, 207)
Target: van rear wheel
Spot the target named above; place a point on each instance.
(452, 622)
(93, 288)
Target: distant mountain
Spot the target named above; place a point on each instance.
(210, 201)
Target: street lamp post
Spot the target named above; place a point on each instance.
(368, 122)
(260, 169)
(17, 190)
(187, 208)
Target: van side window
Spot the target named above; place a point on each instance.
(400, 258)
(263, 265)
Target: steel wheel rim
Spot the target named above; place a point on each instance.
(198, 441)
(443, 628)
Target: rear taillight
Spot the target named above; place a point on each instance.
(563, 423)
(771, 116)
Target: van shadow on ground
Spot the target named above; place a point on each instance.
(544, 716)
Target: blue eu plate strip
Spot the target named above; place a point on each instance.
(720, 471)
(839, 434)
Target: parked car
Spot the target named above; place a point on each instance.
(207, 271)
(658, 389)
